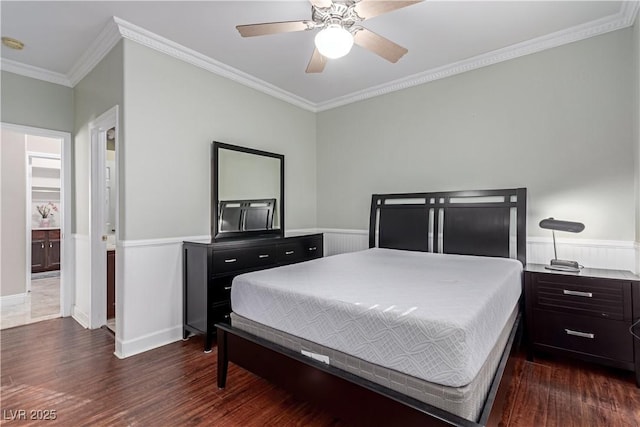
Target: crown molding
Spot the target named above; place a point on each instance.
(623, 19)
(101, 46)
(147, 38)
(117, 28)
(34, 72)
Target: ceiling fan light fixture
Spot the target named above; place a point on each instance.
(334, 41)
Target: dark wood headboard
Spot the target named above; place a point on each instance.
(480, 222)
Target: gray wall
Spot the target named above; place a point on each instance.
(13, 224)
(556, 122)
(173, 112)
(96, 93)
(31, 102)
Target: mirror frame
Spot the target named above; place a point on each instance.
(217, 235)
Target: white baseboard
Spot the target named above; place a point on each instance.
(79, 316)
(147, 342)
(11, 300)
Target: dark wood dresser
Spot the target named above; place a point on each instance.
(209, 269)
(588, 315)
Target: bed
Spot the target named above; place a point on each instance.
(417, 330)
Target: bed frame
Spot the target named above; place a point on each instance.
(484, 223)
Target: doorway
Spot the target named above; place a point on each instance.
(37, 277)
(110, 197)
(104, 222)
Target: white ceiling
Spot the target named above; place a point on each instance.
(443, 38)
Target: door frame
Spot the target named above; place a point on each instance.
(98, 246)
(67, 255)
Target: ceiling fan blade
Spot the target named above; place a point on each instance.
(369, 8)
(321, 4)
(253, 30)
(379, 45)
(317, 62)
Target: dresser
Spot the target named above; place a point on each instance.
(209, 269)
(588, 315)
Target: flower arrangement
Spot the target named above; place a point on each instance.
(46, 210)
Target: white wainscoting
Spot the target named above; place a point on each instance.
(82, 294)
(151, 273)
(616, 254)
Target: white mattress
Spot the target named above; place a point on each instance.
(431, 316)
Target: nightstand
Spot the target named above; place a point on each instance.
(586, 315)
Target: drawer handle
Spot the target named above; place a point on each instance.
(313, 248)
(42, 245)
(263, 256)
(288, 252)
(227, 288)
(578, 293)
(50, 244)
(580, 334)
(230, 260)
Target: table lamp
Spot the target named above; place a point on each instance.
(559, 225)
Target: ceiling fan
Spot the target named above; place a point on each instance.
(339, 23)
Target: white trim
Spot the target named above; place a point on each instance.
(34, 72)
(147, 38)
(340, 231)
(147, 342)
(163, 241)
(97, 50)
(621, 244)
(595, 253)
(98, 247)
(11, 300)
(624, 18)
(118, 28)
(80, 316)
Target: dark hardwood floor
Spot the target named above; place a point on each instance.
(58, 366)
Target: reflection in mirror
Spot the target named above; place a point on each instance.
(246, 177)
(110, 184)
(247, 191)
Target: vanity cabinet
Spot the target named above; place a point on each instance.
(209, 269)
(45, 250)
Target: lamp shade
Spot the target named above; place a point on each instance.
(559, 225)
(334, 41)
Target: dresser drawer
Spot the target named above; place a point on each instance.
(300, 249)
(608, 299)
(587, 335)
(220, 289)
(235, 260)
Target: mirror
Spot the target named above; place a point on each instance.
(247, 192)
(110, 184)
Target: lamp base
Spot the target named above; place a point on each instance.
(563, 265)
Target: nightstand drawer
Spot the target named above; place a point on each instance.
(609, 299)
(586, 335)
